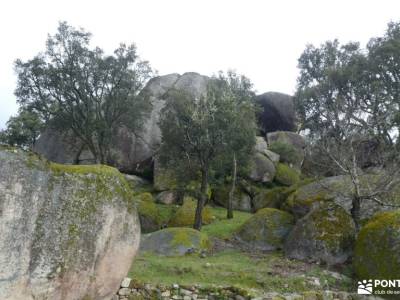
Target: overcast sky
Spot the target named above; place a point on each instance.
(261, 39)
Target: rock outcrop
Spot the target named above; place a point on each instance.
(325, 234)
(341, 190)
(66, 232)
(130, 153)
(241, 200)
(262, 166)
(277, 112)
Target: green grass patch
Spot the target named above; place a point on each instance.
(222, 227)
(270, 272)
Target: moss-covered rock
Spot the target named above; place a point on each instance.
(300, 207)
(175, 242)
(377, 249)
(272, 198)
(241, 200)
(340, 190)
(186, 213)
(266, 230)
(61, 225)
(325, 234)
(286, 175)
(150, 219)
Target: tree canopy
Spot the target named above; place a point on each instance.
(75, 88)
(202, 134)
(348, 103)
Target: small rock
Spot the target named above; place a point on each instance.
(126, 282)
(124, 292)
(175, 286)
(239, 297)
(166, 293)
(186, 292)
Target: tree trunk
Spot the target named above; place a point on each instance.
(355, 212)
(202, 200)
(232, 191)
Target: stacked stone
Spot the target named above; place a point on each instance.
(130, 289)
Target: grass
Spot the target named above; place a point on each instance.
(257, 273)
(222, 227)
(270, 272)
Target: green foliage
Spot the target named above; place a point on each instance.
(75, 88)
(286, 175)
(22, 130)
(200, 136)
(287, 153)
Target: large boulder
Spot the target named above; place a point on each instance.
(262, 165)
(175, 242)
(266, 230)
(325, 234)
(376, 253)
(289, 145)
(339, 189)
(66, 232)
(277, 112)
(130, 153)
(241, 200)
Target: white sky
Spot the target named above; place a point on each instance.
(261, 39)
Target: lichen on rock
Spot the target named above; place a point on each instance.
(61, 226)
(325, 234)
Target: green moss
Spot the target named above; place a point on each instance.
(377, 248)
(185, 236)
(286, 175)
(267, 228)
(186, 213)
(287, 153)
(273, 198)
